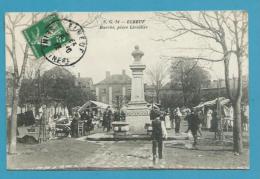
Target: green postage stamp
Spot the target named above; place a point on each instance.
(46, 35)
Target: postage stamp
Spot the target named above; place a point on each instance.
(49, 32)
(69, 46)
(61, 41)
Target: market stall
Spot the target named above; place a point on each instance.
(94, 111)
(223, 108)
(93, 105)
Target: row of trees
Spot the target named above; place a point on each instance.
(19, 52)
(56, 86)
(226, 35)
(186, 76)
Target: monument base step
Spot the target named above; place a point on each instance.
(137, 123)
(111, 137)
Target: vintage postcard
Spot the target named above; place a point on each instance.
(127, 90)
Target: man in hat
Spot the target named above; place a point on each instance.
(158, 133)
(194, 125)
(108, 118)
(178, 116)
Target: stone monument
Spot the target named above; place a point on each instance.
(137, 110)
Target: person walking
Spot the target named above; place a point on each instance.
(104, 121)
(209, 118)
(201, 118)
(188, 119)
(52, 127)
(167, 121)
(158, 133)
(194, 126)
(43, 124)
(177, 120)
(74, 125)
(89, 122)
(108, 118)
(172, 118)
(86, 118)
(215, 124)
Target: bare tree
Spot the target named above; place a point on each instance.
(227, 32)
(157, 75)
(15, 22)
(190, 76)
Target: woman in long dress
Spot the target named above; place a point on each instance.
(167, 121)
(209, 118)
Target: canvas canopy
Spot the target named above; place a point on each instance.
(92, 104)
(222, 100)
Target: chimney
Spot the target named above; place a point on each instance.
(123, 72)
(78, 75)
(107, 74)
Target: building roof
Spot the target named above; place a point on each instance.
(116, 79)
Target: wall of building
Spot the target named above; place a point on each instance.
(107, 93)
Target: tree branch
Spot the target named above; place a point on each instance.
(193, 58)
(171, 38)
(25, 58)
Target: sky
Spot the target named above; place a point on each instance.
(110, 49)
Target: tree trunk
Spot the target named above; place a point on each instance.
(13, 127)
(237, 129)
(236, 103)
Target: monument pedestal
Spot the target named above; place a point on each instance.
(137, 117)
(137, 110)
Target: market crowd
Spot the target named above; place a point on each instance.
(210, 118)
(90, 118)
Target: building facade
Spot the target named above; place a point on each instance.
(84, 83)
(114, 89)
(171, 94)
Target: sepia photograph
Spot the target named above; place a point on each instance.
(127, 90)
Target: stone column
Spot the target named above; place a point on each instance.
(137, 87)
(137, 110)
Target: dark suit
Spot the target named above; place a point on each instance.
(194, 126)
(157, 137)
(107, 117)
